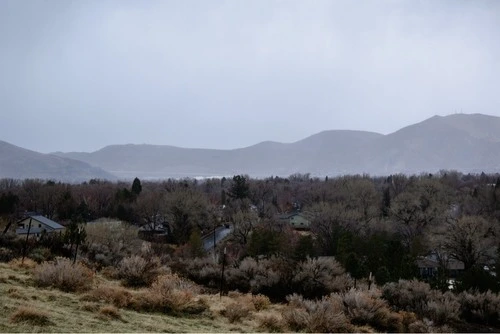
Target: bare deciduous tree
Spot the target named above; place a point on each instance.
(470, 239)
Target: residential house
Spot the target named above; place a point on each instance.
(296, 220)
(36, 225)
(154, 232)
(429, 266)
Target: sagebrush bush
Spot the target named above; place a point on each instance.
(317, 277)
(325, 315)
(31, 316)
(171, 282)
(11, 242)
(271, 324)
(63, 275)
(260, 302)
(201, 270)
(266, 276)
(443, 307)
(41, 254)
(418, 297)
(411, 295)
(6, 254)
(480, 307)
(117, 296)
(109, 312)
(366, 307)
(138, 271)
(108, 242)
(234, 312)
(170, 294)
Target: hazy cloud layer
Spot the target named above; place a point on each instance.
(79, 75)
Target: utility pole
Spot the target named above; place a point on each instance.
(222, 272)
(77, 243)
(26, 242)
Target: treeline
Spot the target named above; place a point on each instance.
(377, 225)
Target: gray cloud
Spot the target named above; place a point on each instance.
(79, 75)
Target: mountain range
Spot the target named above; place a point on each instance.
(463, 142)
(20, 163)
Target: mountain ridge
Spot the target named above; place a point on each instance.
(464, 142)
(20, 163)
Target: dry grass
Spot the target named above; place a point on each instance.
(20, 264)
(14, 293)
(30, 315)
(93, 311)
(68, 313)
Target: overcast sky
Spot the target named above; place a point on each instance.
(80, 75)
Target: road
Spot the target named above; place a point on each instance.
(220, 233)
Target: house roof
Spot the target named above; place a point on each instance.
(46, 221)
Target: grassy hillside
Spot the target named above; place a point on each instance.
(28, 308)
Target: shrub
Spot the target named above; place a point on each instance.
(295, 318)
(12, 242)
(170, 294)
(40, 254)
(408, 295)
(109, 272)
(366, 307)
(30, 315)
(240, 277)
(260, 302)
(271, 324)
(235, 312)
(416, 296)
(6, 254)
(480, 307)
(171, 282)
(109, 312)
(63, 275)
(117, 296)
(442, 308)
(325, 315)
(201, 270)
(90, 307)
(137, 271)
(108, 242)
(267, 276)
(320, 276)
